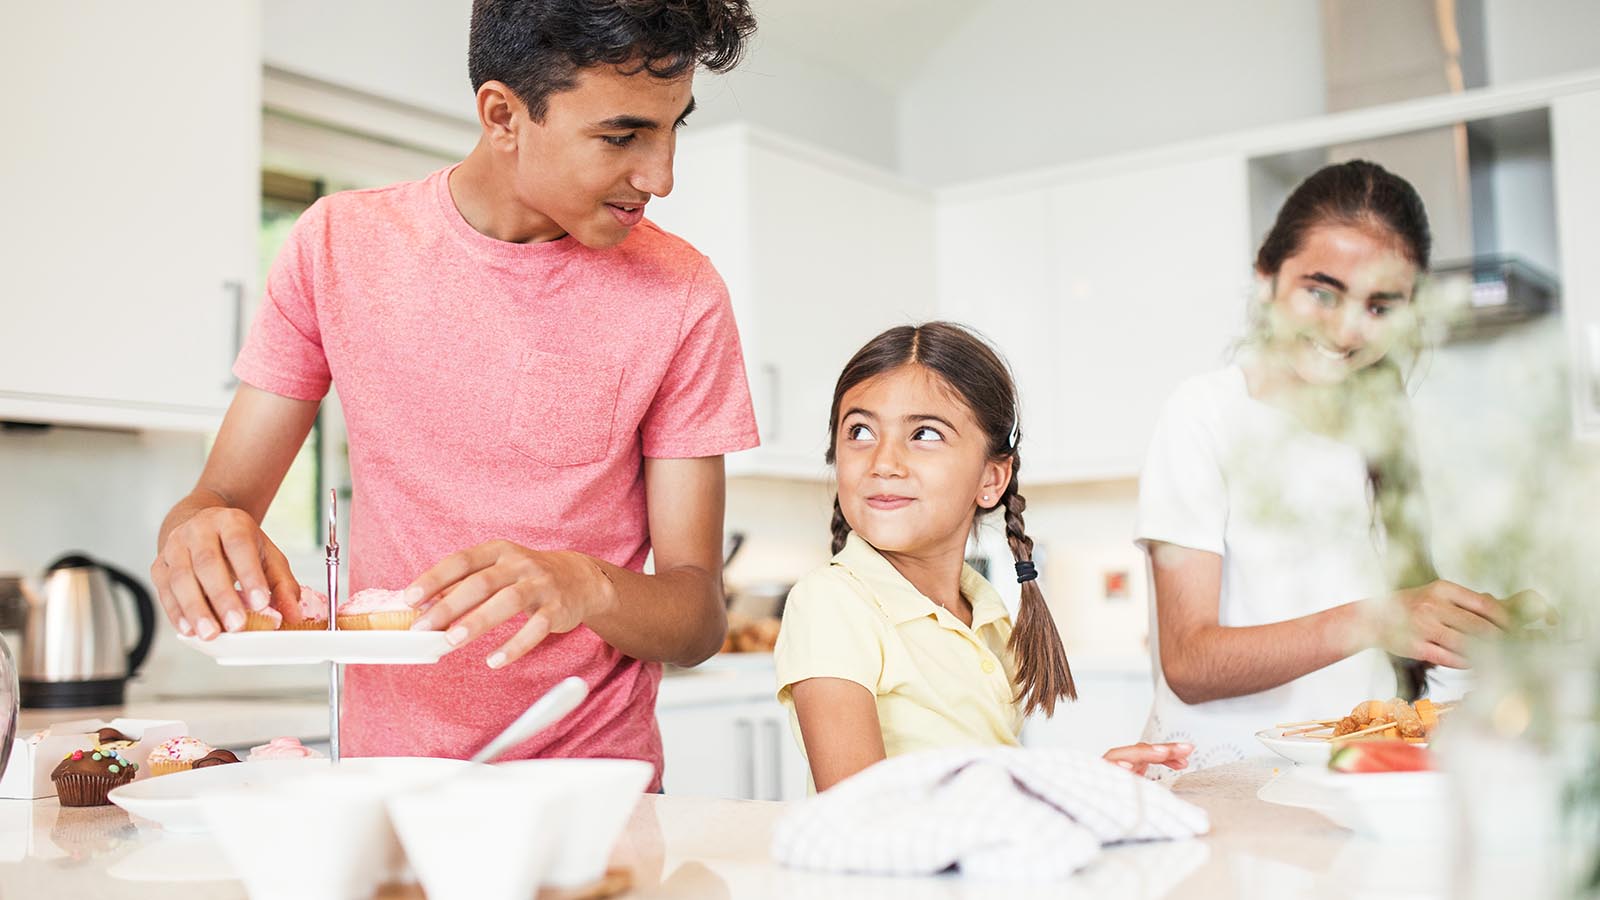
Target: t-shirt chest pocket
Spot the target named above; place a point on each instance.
(563, 409)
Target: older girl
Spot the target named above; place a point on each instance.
(1279, 503)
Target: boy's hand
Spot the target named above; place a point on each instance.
(479, 588)
(1139, 757)
(204, 558)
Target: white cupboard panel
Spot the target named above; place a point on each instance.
(1575, 146)
(132, 183)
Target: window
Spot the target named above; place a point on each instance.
(294, 521)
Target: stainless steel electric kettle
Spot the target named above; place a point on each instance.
(74, 648)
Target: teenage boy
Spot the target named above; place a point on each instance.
(539, 386)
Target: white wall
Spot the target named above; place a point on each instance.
(413, 51)
(1028, 83)
(1527, 39)
(105, 493)
(779, 88)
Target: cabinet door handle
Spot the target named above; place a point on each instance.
(769, 372)
(1592, 332)
(774, 759)
(745, 734)
(235, 288)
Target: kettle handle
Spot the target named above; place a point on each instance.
(146, 609)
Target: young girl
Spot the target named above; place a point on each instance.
(897, 645)
(1279, 503)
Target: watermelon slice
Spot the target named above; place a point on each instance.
(1381, 756)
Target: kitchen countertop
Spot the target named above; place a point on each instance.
(228, 722)
(687, 847)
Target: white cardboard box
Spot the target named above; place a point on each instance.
(27, 775)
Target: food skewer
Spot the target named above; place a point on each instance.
(1310, 728)
(1368, 730)
(1307, 722)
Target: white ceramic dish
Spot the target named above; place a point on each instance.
(566, 814)
(596, 798)
(283, 648)
(174, 801)
(1386, 806)
(1305, 751)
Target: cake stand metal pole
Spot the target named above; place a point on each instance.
(332, 560)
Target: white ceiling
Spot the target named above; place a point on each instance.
(884, 42)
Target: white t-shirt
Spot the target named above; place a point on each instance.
(1288, 511)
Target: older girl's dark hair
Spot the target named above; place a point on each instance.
(1357, 193)
(977, 374)
(1364, 194)
(536, 47)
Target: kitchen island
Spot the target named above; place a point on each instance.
(688, 847)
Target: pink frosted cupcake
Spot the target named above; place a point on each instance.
(176, 755)
(282, 748)
(375, 609)
(313, 612)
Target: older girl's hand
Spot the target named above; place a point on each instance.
(1136, 758)
(1436, 622)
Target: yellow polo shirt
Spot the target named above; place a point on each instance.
(938, 683)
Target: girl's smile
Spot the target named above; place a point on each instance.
(889, 501)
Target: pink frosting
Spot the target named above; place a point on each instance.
(374, 600)
(183, 749)
(313, 603)
(283, 748)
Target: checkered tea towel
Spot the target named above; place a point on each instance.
(1002, 813)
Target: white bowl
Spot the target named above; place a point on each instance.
(320, 833)
(476, 836)
(589, 801)
(173, 801)
(1387, 806)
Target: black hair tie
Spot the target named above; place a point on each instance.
(1026, 572)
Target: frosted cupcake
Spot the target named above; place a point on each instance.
(282, 748)
(313, 613)
(84, 778)
(375, 609)
(176, 755)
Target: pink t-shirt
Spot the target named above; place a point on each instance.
(498, 391)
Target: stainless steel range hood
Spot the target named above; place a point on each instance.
(1385, 51)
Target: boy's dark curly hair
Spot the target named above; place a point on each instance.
(536, 47)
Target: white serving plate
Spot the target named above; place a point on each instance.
(282, 648)
(173, 801)
(1296, 748)
(1305, 751)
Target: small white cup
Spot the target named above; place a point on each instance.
(475, 837)
(589, 800)
(321, 837)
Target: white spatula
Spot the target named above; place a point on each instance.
(560, 700)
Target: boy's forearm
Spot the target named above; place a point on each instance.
(676, 616)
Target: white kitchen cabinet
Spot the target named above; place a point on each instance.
(724, 734)
(820, 253)
(1103, 292)
(1575, 147)
(995, 273)
(1114, 697)
(132, 184)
